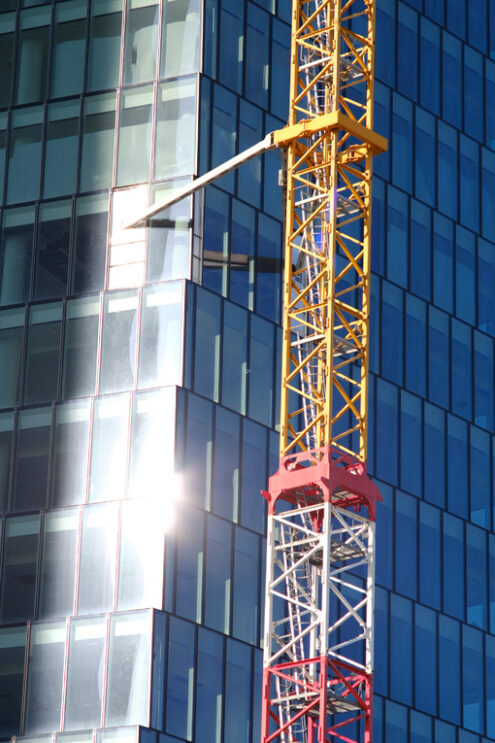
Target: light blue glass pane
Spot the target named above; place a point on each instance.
(119, 342)
(104, 44)
(46, 665)
(254, 475)
(140, 53)
(135, 133)
(242, 259)
(160, 357)
(421, 728)
(97, 144)
(444, 733)
(395, 722)
(68, 49)
(181, 38)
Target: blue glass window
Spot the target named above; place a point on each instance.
(420, 728)
(436, 10)
(406, 544)
(457, 466)
(249, 174)
(231, 53)
(462, 354)
(447, 170)
(465, 276)
(218, 574)
(491, 577)
(487, 191)
(257, 56)
(438, 345)
(198, 451)
(272, 198)
(226, 464)
(385, 42)
(237, 721)
(486, 282)
(190, 555)
(104, 44)
(452, 79)
(477, 24)
(261, 376)
(430, 583)
(391, 341)
(429, 45)
(381, 166)
(402, 141)
(381, 640)
(489, 106)
(453, 566)
(434, 453)
(279, 69)
(411, 444)
(375, 325)
(385, 541)
(480, 477)
(484, 398)
(473, 93)
(424, 157)
(224, 132)
(25, 155)
(476, 576)
(254, 475)
(401, 642)
(386, 421)
(245, 619)
(378, 228)
(407, 61)
(472, 677)
(234, 358)
(207, 345)
(397, 237)
(415, 345)
(456, 17)
(443, 263)
(180, 678)
(215, 240)
(469, 166)
(425, 653)
(449, 702)
(268, 268)
(209, 690)
(490, 684)
(420, 252)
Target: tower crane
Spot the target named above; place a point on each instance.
(318, 629)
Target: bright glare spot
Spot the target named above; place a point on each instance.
(160, 503)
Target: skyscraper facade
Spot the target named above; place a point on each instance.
(139, 378)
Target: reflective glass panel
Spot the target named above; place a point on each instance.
(70, 457)
(180, 678)
(85, 673)
(98, 558)
(11, 342)
(109, 448)
(261, 371)
(135, 135)
(58, 563)
(129, 659)
(68, 49)
(209, 689)
(90, 240)
(226, 464)
(33, 55)
(119, 342)
(180, 38)
(15, 254)
(25, 155)
(97, 142)
(61, 147)
(189, 535)
(176, 128)
(46, 670)
(80, 346)
(218, 574)
(52, 259)
(237, 722)
(6, 429)
(246, 586)
(141, 41)
(160, 357)
(33, 446)
(104, 44)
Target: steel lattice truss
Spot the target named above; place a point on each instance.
(318, 643)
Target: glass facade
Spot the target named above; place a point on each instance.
(139, 393)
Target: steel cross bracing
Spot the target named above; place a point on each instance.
(318, 640)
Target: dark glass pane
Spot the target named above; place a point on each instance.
(52, 258)
(31, 471)
(20, 567)
(33, 55)
(12, 651)
(15, 255)
(90, 240)
(453, 566)
(242, 262)
(226, 465)
(62, 140)
(238, 693)
(209, 689)
(268, 268)
(257, 56)
(25, 155)
(406, 551)
(68, 49)
(207, 345)
(425, 654)
(104, 44)
(43, 353)
(430, 585)
(401, 645)
(11, 342)
(246, 611)
(180, 678)
(218, 574)
(80, 346)
(234, 359)
(473, 691)
(7, 25)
